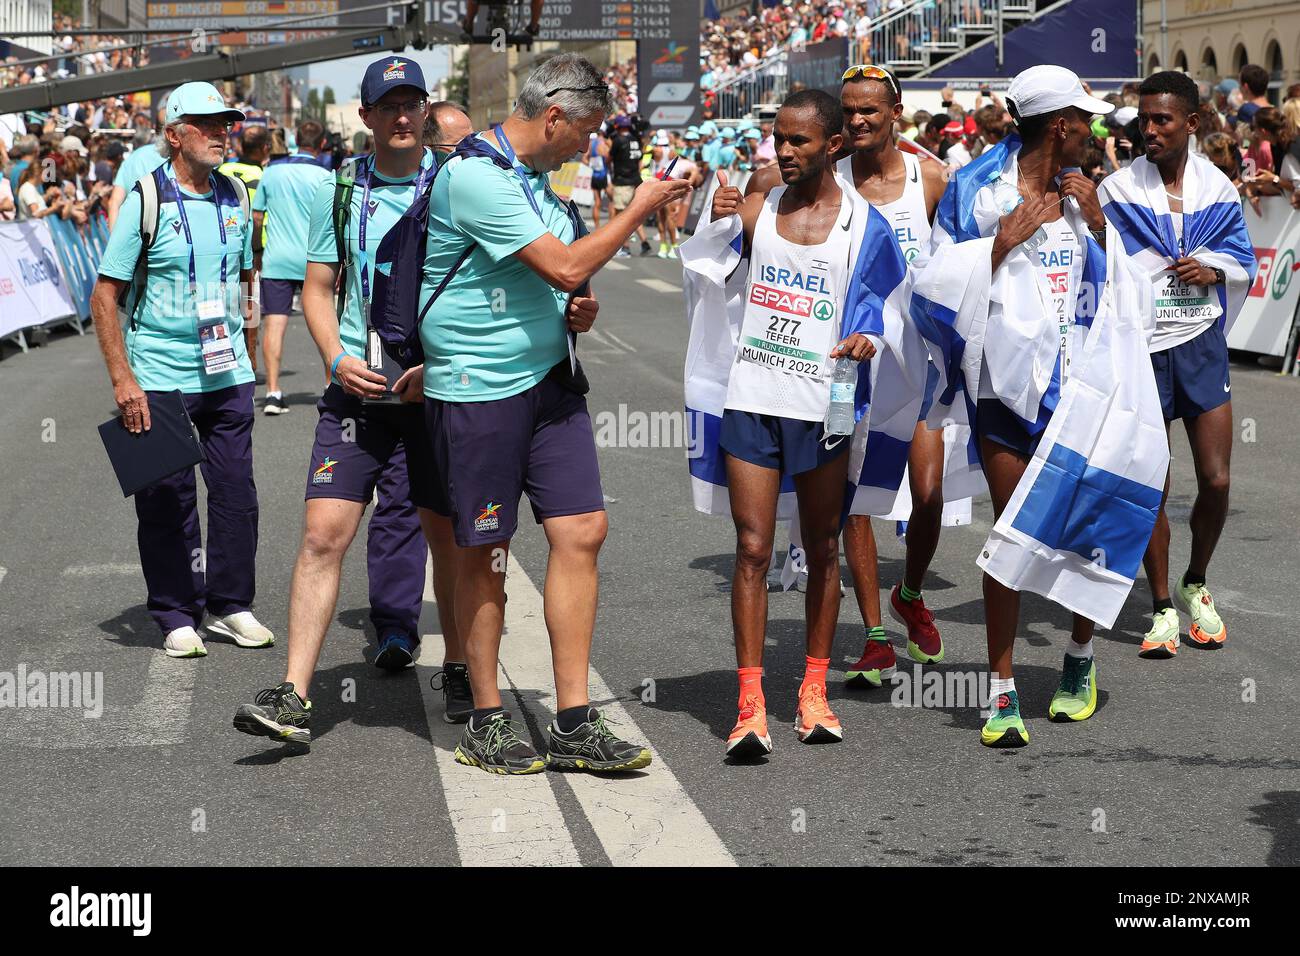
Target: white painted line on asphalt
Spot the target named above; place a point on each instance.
(616, 266)
(498, 821)
(642, 820)
(603, 338)
(618, 341)
(91, 570)
(659, 285)
(3, 572)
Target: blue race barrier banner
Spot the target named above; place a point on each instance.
(33, 289)
(80, 259)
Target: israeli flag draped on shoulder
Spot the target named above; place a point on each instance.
(958, 299)
(1214, 229)
(715, 285)
(1079, 521)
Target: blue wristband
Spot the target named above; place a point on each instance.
(334, 366)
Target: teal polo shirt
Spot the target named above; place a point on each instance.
(163, 348)
(141, 160)
(389, 199)
(286, 194)
(498, 327)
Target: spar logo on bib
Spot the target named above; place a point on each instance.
(824, 310)
(779, 300)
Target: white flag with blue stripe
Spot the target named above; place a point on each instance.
(1214, 229)
(715, 281)
(1079, 521)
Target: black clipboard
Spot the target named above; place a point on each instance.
(170, 445)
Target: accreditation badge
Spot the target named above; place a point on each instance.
(215, 343)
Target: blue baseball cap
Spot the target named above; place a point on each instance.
(728, 133)
(752, 133)
(708, 128)
(199, 99)
(384, 75)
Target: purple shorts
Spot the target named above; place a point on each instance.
(488, 453)
(277, 295)
(354, 441)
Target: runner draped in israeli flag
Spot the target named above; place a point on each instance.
(716, 280)
(823, 283)
(1038, 337)
(1180, 220)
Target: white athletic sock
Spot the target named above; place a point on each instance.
(1001, 685)
(1079, 650)
(276, 394)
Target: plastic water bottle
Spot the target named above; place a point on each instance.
(844, 383)
(1007, 197)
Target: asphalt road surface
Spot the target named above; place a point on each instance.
(1188, 761)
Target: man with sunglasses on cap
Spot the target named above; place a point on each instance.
(906, 191)
(505, 287)
(188, 328)
(363, 442)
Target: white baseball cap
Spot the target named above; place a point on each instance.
(1046, 88)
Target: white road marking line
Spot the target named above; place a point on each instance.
(618, 341)
(606, 339)
(91, 570)
(3, 572)
(648, 820)
(497, 820)
(616, 266)
(659, 285)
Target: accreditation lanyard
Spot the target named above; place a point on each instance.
(367, 174)
(189, 238)
(509, 152)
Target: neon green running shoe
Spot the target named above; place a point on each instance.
(1162, 640)
(1005, 728)
(1207, 628)
(1076, 698)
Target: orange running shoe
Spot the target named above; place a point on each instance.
(923, 641)
(877, 664)
(749, 738)
(814, 721)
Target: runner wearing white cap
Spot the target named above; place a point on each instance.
(1026, 201)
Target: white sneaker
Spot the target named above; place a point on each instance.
(242, 628)
(184, 642)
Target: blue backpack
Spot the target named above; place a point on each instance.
(395, 309)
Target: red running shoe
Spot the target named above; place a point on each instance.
(876, 665)
(923, 641)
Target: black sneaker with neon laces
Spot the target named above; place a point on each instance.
(497, 747)
(279, 713)
(593, 746)
(458, 699)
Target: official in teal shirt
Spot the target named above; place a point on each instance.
(284, 199)
(390, 198)
(505, 410)
(141, 160)
(187, 335)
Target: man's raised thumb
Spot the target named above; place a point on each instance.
(722, 178)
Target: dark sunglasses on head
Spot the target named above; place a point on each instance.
(576, 89)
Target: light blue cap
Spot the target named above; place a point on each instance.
(707, 128)
(199, 99)
(728, 133)
(752, 133)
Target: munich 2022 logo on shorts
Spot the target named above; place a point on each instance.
(489, 518)
(324, 475)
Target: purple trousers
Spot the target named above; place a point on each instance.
(181, 579)
(396, 552)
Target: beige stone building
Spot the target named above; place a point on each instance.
(1211, 39)
(495, 77)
